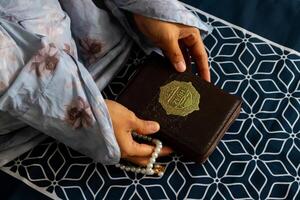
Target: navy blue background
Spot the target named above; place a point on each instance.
(11, 189)
(273, 19)
(276, 20)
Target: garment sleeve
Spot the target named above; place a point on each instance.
(166, 10)
(54, 93)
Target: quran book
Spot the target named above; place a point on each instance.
(193, 114)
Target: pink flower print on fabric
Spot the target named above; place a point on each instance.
(45, 61)
(3, 86)
(68, 49)
(91, 49)
(79, 114)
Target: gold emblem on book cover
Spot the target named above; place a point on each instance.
(179, 98)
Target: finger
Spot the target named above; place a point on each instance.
(145, 127)
(197, 50)
(142, 150)
(144, 160)
(173, 52)
(165, 151)
(138, 149)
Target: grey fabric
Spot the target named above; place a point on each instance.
(56, 57)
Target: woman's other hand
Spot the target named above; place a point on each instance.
(124, 122)
(166, 35)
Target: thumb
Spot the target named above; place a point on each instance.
(145, 127)
(174, 53)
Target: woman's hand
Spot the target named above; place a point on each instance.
(166, 35)
(124, 122)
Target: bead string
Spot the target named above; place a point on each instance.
(151, 168)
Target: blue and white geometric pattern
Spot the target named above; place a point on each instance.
(258, 158)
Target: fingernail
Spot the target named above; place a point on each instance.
(180, 66)
(153, 126)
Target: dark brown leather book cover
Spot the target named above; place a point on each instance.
(193, 114)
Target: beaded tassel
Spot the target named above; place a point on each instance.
(151, 168)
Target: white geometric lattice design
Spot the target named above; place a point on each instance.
(258, 158)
